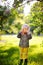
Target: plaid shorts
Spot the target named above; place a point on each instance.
(23, 53)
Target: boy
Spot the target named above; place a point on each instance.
(24, 36)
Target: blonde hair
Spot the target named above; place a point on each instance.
(26, 26)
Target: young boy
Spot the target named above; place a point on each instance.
(24, 36)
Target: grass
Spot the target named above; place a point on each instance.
(9, 50)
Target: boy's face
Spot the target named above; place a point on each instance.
(25, 30)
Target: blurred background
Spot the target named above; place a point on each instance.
(13, 14)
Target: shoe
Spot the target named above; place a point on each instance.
(26, 61)
(21, 61)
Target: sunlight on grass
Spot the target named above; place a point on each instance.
(36, 40)
(12, 39)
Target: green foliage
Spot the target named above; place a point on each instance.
(7, 23)
(18, 25)
(4, 14)
(36, 17)
(40, 0)
(18, 3)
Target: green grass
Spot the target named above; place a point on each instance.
(9, 50)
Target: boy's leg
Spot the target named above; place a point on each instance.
(26, 61)
(21, 61)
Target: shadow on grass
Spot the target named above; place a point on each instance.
(37, 58)
(9, 57)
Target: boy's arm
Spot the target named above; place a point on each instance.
(29, 36)
(19, 35)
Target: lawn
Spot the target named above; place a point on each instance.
(9, 50)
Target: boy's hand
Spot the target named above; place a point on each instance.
(25, 30)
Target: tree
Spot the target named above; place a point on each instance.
(36, 17)
(18, 3)
(7, 15)
(8, 23)
(4, 14)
